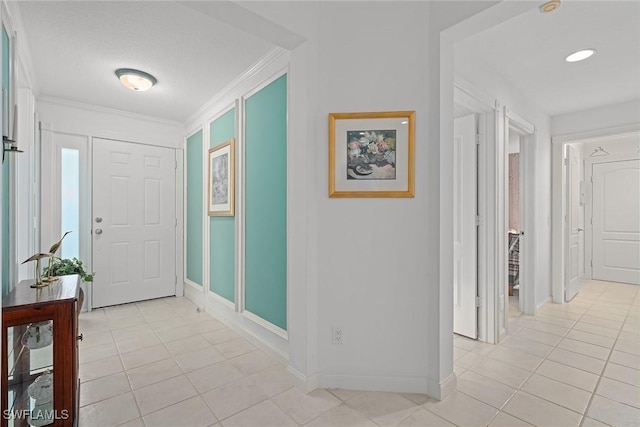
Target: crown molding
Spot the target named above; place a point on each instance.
(107, 110)
(237, 84)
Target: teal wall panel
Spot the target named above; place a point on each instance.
(266, 203)
(6, 173)
(222, 228)
(195, 208)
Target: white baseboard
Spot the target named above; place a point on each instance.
(272, 343)
(194, 294)
(302, 382)
(539, 306)
(374, 383)
(440, 390)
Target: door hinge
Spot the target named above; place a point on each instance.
(477, 220)
(477, 139)
(591, 263)
(176, 224)
(477, 301)
(176, 280)
(175, 166)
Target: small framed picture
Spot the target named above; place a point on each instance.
(221, 179)
(371, 154)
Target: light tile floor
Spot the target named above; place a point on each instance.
(162, 363)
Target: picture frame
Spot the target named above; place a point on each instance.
(221, 179)
(371, 154)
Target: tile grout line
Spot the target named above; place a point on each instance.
(586, 411)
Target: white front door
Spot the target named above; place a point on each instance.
(616, 221)
(465, 290)
(574, 224)
(134, 220)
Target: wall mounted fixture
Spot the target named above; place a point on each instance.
(580, 55)
(599, 151)
(8, 146)
(135, 79)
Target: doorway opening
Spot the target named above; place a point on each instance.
(515, 227)
(599, 236)
(519, 137)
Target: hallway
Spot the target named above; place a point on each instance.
(567, 361)
(162, 363)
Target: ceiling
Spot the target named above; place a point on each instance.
(529, 51)
(77, 45)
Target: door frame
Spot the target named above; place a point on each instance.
(559, 229)
(50, 193)
(49, 200)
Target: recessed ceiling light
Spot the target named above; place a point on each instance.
(550, 6)
(135, 79)
(580, 55)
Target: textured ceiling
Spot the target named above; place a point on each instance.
(77, 45)
(529, 52)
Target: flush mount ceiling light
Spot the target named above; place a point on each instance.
(550, 6)
(135, 79)
(580, 55)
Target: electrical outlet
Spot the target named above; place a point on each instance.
(337, 335)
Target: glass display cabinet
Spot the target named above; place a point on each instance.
(40, 383)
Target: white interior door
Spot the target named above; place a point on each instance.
(616, 224)
(134, 220)
(575, 228)
(465, 318)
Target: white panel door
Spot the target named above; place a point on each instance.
(465, 317)
(574, 226)
(133, 222)
(616, 221)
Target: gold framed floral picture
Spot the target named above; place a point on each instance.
(371, 154)
(221, 179)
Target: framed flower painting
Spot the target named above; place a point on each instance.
(221, 179)
(371, 154)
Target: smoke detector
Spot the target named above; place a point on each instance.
(550, 6)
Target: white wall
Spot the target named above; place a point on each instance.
(81, 119)
(380, 250)
(604, 117)
(372, 267)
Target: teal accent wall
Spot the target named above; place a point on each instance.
(266, 203)
(6, 173)
(195, 208)
(222, 228)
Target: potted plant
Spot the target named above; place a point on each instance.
(63, 267)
